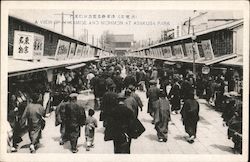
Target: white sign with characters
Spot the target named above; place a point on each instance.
(28, 45)
(192, 49)
(62, 50)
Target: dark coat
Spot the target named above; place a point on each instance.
(74, 119)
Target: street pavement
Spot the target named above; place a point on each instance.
(211, 135)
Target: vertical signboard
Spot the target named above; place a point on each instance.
(28, 45)
(192, 49)
(62, 49)
(72, 50)
(207, 49)
(38, 46)
(78, 52)
(167, 52)
(178, 51)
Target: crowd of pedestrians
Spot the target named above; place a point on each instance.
(114, 83)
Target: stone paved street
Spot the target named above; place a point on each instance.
(211, 135)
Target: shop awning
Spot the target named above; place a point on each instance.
(169, 63)
(75, 66)
(220, 59)
(238, 61)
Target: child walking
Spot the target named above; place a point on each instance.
(91, 124)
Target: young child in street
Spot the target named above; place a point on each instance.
(91, 124)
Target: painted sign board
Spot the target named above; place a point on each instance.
(178, 51)
(167, 52)
(192, 49)
(28, 45)
(207, 49)
(62, 49)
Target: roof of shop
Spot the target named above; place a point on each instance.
(51, 30)
(230, 25)
(17, 67)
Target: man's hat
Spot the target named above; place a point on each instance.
(72, 95)
(131, 87)
(152, 82)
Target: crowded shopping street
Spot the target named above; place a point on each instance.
(146, 90)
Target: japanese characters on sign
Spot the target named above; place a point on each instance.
(28, 45)
(62, 49)
(192, 49)
(207, 49)
(72, 50)
(167, 52)
(178, 51)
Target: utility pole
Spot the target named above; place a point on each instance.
(73, 14)
(62, 23)
(62, 17)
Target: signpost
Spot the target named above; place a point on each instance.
(207, 49)
(28, 45)
(62, 50)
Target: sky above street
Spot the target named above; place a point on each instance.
(143, 24)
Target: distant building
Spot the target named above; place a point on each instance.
(206, 20)
(122, 43)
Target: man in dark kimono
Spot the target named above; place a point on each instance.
(153, 96)
(162, 117)
(117, 126)
(60, 120)
(136, 97)
(190, 116)
(74, 119)
(130, 102)
(175, 97)
(34, 113)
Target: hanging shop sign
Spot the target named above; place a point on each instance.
(205, 70)
(78, 53)
(167, 52)
(192, 49)
(28, 45)
(62, 50)
(161, 53)
(72, 50)
(207, 49)
(178, 51)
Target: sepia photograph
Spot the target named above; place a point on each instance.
(124, 81)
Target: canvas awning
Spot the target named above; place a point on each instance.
(75, 66)
(238, 61)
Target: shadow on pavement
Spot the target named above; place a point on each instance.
(100, 130)
(179, 137)
(152, 137)
(223, 148)
(56, 138)
(25, 146)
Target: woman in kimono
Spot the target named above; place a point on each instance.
(34, 114)
(162, 117)
(190, 116)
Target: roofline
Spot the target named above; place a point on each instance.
(46, 28)
(201, 14)
(230, 25)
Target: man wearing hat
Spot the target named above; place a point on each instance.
(74, 119)
(130, 102)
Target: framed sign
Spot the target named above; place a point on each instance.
(205, 70)
(178, 51)
(28, 45)
(161, 53)
(207, 49)
(72, 50)
(192, 49)
(78, 52)
(167, 52)
(62, 49)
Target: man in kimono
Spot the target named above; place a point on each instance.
(175, 96)
(190, 116)
(162, 117)
(136, 97)
(75, 118)
(130, 102)
(34, 113)
(60, 119)
(153, 96)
